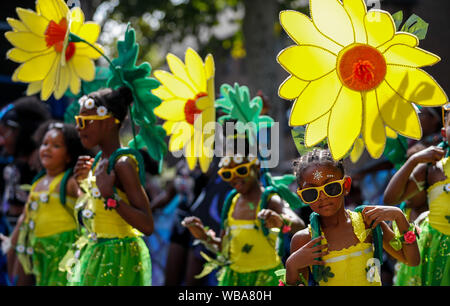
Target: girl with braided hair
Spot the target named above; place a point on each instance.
(114, 207)
(340, 247)
(251, 219)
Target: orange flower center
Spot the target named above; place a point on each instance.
(190, 110)
(55, 35)
(361, 67)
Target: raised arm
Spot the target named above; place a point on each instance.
(278, 210)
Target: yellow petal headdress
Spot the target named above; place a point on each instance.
(353, 75)
(50, 63)
(188, 106)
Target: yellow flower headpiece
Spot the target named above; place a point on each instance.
(49, 62)
(188, 106)
(353, 75)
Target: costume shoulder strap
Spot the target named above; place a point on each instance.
(128, 151)
(377, 235)
(38, 176)
(63, 185)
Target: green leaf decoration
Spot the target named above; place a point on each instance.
(398, 19)
(125, 72)
(396, 244)
(281, 184)
(324, 273)
(417, 26)
(236, 104)
(247, 248)
(395, 150)
(448, 218)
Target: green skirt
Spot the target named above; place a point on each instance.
(434, 268)
(113, 262)
(47, 253)
(228, 277)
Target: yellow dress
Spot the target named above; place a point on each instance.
(48, 232)
(113, 252)
(355, 265)
(254, 257)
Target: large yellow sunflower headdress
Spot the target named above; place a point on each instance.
(353, 75)
(50, 63)
(188, 106)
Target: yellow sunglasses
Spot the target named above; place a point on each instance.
(227, 174)
(311, 194)
(81, 120)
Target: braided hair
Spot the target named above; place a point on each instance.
(316, 157)
(115, 100)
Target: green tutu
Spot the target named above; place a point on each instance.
(229, 277)
(113, 262)
(434, 268)
(47, 253)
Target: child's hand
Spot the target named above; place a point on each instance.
(195, 226)
(429, 155)
(373, 215)
(308, 255)
(82, 167)
(105, 181)
(272, 219)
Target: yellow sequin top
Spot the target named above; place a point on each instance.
(250, 249)
(439, 201)
(355, 265)
(101, 222)
(45, 214)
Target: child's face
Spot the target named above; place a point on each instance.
(53, 151)
(243, 184)
(319, 175)
(89, 135)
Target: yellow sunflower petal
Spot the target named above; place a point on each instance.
(357, 10)
(26, 41)
(357, 151)
(76, 19)
(207, 138)
(20, 56)
(211, 90)
(332, 20)
(16, 25)
(84, 67)
(209, 66)
(408, 56)
(400, 38)
(190, 154)
(172, 110)
(34, 88)
(89, 31)
(75, 82)
(204, 103)
(307, 62)
(84, 50)
(36, 68)
(415, 85)
(373, 128)
(62, 82)
(316, 131)
(175, 85)
(303, 31)
(397, 113)
(390, 132)
(182, 134)
(291, 88)
(169, 126)
(52, 9)
(314, 100)
(179, 69)
(34, 22)
(163, 93)
(380, 27)
(345, 122)
(49, 82)
(196, 70)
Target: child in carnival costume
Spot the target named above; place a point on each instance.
(48, 228)
(428, 170)
(254, 217)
